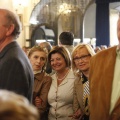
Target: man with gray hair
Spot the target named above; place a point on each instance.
(15, 70)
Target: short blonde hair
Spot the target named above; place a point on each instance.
(16, 107)
(79, 46)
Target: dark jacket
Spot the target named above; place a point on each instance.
(15, 71)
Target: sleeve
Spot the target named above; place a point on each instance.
(44, 93)
(15, 77)
(75, 100)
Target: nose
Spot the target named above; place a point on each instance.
(38, 60)
(53, 62)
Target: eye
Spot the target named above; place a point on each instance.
(75, 58)
(42, 59)
(35, 57)
(82, 57)
(58, 59)
(51, 60)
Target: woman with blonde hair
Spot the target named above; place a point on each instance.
(80, 64)
(42, 81)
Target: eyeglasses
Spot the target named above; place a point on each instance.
(81, 58)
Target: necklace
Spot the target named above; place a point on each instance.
(60, 79)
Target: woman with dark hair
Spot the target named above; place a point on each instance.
(60, 96)
(42, 81)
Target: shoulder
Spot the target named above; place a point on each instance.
(71, 74)
(77, 80)
(47, 77)
(104, 53)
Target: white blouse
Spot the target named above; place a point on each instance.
(60, 98)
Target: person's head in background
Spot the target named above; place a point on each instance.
(25, 49)
(66, 38)
(46, 45)
(16, 107)
(103, 47)
(38, 58)
(97, 49)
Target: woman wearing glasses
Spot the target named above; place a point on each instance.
(42, 81)
(80, 63)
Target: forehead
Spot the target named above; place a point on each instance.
(81, 51)
(39, 53)
(54, 55)
(2, 16)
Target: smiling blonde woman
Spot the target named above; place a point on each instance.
(80, 63)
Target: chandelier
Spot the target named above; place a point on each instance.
(48, 10)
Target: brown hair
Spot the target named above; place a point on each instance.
(66, 38)
(62, 51)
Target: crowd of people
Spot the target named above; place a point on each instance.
(57, 83)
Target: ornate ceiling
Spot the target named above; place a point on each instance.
(49, 10)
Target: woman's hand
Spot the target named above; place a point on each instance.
(38, 102)
(77, 115)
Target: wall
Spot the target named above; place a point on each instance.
(24, 12)
(89, 19)
(89, 22)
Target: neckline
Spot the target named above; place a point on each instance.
(60, 79)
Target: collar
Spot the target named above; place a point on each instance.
(36, 72)
(7, 47)
(118, 52)
(84, 79)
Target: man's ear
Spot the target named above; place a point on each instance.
(10, 29)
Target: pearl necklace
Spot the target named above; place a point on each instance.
(60, 79)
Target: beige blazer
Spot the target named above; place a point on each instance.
(101, 78)
(78, 95)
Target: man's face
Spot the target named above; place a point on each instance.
(3, 28)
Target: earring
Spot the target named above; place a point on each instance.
(81, 76)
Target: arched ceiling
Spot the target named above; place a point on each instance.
(48, 10)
